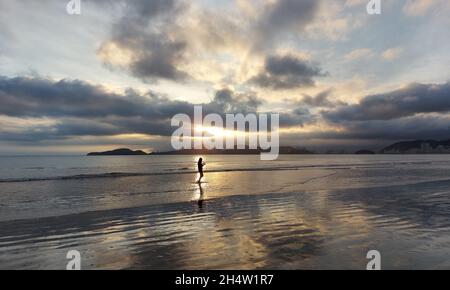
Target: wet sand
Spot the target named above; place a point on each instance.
(308, 219)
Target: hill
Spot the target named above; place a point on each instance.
(418, 147)
(118, 152)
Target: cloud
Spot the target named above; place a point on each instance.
(299, 116)
(36, 97)
(321, 100)
(180, 40)
(375, 135)
(391, 53)
(335, 20)
(287, 72)
(418, 7)
(359, 53)
(143, 36)
(36, 110)
(226, 100)
(409, 101)
(351, 3)
(417, 111)
(77, 108)
(39, 110)
(284, 16)
(408, 128)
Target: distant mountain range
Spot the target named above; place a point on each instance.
(125, 151)
(418, 147)
(283, 150)
(405, 147)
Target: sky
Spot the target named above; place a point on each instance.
(116, 74)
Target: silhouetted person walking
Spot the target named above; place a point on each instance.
(200, 165)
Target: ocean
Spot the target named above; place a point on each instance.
(299, 212)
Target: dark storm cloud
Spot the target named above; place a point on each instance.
(410, 128)
(64, 128)
(373, 135)
(409, 101)
(35, 97)
(81, 109)
(418, 111)
(299, 116)
(226, 100)
(285, 16)
(287, 72)
(321, 100)
(143, 30)
(77, 108)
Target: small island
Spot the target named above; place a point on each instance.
(118, 152)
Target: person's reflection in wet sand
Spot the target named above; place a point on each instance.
(201, 197)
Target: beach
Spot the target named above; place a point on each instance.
(299, 212)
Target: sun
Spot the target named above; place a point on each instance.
(215, 131)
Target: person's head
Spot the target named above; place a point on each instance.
(200, 160)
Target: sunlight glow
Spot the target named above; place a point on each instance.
(221, 132)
